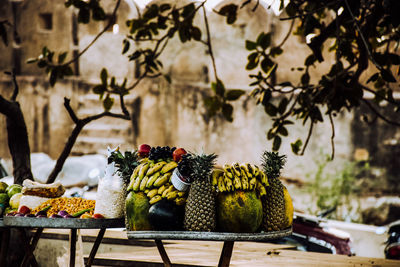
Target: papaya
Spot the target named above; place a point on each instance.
(288, 208)
(239, 212)
(136, 212)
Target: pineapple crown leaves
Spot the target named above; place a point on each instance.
(272, 163)
(125, 163)
(202, 165)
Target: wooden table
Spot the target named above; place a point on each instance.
(5, 237)
(23, 223)
(227, 238)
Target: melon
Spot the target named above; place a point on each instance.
(239, 212)
(136, 212)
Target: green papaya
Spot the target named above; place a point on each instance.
(239, 212)
(136, 212)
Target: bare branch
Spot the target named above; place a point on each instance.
(209, 43)
(382, 117)
(70, 111)
(123, 107)
(308, 138)
(287, 35)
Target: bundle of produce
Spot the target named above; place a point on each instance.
(239, 188)
(65, 207)
(277, 204)
(153, 202)
(10, 196)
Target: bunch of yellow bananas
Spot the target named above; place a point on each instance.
(154, 179)
(237, 176)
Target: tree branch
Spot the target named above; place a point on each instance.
(209, 43)
(332, 136)
(310, 130)
(377, 113)
(70, 111)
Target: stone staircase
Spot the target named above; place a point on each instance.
(107, 131)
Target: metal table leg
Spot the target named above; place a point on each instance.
(72, 246)
(30, 246)
(226, 254)
(5, 242)
(95, 247)
(163, 253)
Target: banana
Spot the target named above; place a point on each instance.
(152, 179)
(166, 191)
(214, 176)
(228, 170)
(260, 189)
(256, 170)
(158, 166)
(155, 199)
(162, 180)
(162, 188)
(181, 193)
(143, 183)
(246, 170)
(263, 178)
(130, 186)
(250, 168)
(136, 185)
(143, 170)
(236, 169)
(152, 193)
(221, 185)
(136, 170)
(252, 183)
(237, 183)
(228, 183)
(245, 181)
(172, 195)
(169, 166)
(180, 201)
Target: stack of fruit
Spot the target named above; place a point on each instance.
(9, 197)
(150, 185)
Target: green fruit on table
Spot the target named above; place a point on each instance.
(239, 212)
(14, 200)
(137, 210)
(3, 187)
(9, 210)
(13, 189)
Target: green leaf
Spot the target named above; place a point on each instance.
(212, 104)
(84, 15)
(61, 57)
(99, 89)
(234, 94)
(31, 60)
(276, 51)
(291, 9)
(283, 105)
(98, 14)
(108, 103)
(227, 111)
(126, 46)
(165, 7)
(310, 60)
(270, 109)
(67, 71)
(277, 143)
(373, 78)
(266, 65)
(253, 61)
(196, 33)
(283, 131)
(296, 146)
(388, 76)
(231, 18)
(264, 41)
(250, 45)
(135, 55)
(104, 76)
(151, 12)
(218, 88)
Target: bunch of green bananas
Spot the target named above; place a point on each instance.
(237, 176)
(154, 179)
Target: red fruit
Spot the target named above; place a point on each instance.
(97, 216)
(24, 210)
(177, 154)
(144, 150)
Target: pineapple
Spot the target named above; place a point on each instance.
(200, 206)
(274, 211)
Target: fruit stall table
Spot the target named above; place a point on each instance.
(5, 236)
(228, 239)
(73, 224)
